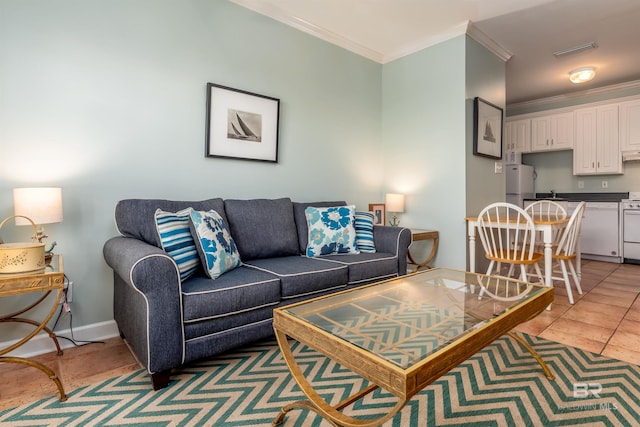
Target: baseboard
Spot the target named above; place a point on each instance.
(42, 343)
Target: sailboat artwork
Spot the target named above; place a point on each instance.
(244, 126)
(488, 132)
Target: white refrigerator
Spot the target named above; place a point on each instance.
(519, 184)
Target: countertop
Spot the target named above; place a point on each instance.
(578, 197)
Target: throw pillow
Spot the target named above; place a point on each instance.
(217, 250)
(331, 230)
(364, 232)
(176, 240)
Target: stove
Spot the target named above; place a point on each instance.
(630, 215)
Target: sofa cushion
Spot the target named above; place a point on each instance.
(331, 230)
(364, 232)
(214, 243)
(300, 275)
(239, 290)
(135, 217)
(262, 228)
(367, 267)
(175, 238)
(301, 219)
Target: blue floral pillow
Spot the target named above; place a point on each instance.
(331, 231)
(214, 243)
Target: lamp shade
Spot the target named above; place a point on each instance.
(43, 205)
(394, 202)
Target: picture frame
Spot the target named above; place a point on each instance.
(378, 211)
(487, 129)
(241, 125)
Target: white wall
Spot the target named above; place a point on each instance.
(107, 100)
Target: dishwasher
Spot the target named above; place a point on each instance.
(600, 231)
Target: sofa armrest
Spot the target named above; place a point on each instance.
(395, 240)
(147, 301)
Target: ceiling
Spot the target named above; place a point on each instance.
(525, 33)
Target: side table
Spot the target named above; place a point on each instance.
(417, 235)
(49, 279)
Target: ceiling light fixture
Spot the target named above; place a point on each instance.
(575, 49)
(581, 75)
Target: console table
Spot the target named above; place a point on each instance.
(418, 235)
(50, 278)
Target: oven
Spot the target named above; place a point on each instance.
(631, 228)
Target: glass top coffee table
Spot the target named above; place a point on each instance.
(405, 333)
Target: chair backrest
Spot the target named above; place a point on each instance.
(504, 227)
(549, 208)
(569, 240)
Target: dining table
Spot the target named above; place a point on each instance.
(547, 225)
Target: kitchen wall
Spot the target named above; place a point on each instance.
(107, 100)
(555, 169)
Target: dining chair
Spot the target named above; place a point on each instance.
(507, 233)
(565, 252)
(549, 209)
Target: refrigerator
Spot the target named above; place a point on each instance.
(519, 184)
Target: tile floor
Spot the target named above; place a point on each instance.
(605, 320)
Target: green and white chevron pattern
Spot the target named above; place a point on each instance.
(500, 386)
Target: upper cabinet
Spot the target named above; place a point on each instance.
(630, 125)
(518, 135)
(597, 147)
(552, 132)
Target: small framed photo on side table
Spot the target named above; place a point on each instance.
(378, 210)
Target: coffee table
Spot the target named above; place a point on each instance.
(403, 334)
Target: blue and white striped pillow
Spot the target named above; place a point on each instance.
(176, 240)
(364, 232)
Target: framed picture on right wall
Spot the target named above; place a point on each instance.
(487, 129)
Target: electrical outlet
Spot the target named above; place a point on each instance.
(605, 184)
(68, 291)
(580, 184)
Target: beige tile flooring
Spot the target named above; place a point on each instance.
(605, 320)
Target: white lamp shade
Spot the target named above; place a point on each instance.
(394, 202)
(42, 205)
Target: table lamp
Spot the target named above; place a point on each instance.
(43, 205)
(395, 204)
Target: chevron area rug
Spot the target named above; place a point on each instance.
(500, 386)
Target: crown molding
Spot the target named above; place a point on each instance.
(552, 100)
(309, 28)
(425, 43)
(486, 41)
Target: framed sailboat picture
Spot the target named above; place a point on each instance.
(487, 129)
(241, 125)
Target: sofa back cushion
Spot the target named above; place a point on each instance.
(301, 220)
(136, 217)
(262, 228)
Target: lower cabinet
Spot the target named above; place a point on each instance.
(597, 146)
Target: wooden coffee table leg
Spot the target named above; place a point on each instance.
(534, 353)
(317, 404)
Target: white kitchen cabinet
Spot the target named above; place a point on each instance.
(597, 147)
(552, 132)
(518, 135)
(630, 125)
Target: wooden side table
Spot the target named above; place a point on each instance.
(417, 235)
(49, 279)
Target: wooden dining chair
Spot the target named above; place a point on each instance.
(546, 209)
(507, 234)
(565, 252)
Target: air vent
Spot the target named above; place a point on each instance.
(575, 49)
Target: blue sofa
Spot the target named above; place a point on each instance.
(168, 322)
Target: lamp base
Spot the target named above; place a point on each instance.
(394, 221)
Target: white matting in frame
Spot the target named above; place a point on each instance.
(241, 125)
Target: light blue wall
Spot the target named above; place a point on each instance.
(485, 78)
(424, 142)
(107, 100)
